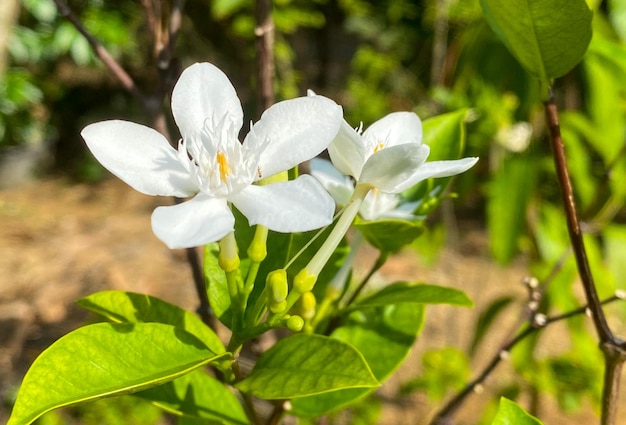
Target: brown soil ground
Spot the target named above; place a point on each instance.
(61, 241)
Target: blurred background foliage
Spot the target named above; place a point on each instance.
(374, 57)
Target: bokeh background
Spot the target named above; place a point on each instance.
(68, 229)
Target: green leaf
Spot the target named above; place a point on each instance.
(390, 235)
(510, 413)
(103, 360)
(510, 192)
(405, 292)
(547, 37)
(197, 395)
(302, 365)
(129, 307)
(487, 318)
(384, 336)
(217, 286)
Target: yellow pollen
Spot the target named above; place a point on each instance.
(223, 164)
(379, 146)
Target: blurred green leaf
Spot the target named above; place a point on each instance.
(510, 191)
(389, 235)
(486, 319)
(302, 365)
(103, 360)
(510, 413)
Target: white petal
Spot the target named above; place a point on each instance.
(395, 129)
(204, 92)
(336, 184)
(196, 222)
(294, 206)
(347, 151)
(297, 129)
(140, 156)
(391, 169)
(378, 203)
(435, 169)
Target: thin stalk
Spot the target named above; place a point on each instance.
(264, 33)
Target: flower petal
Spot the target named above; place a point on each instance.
(377, 204)
(294, 206)
(391, 169)
(140, 156)
(204, 92)
(347, 151)
(336, 184)
(297, 130)
(436, 169)
(197, 222)
(394, 129)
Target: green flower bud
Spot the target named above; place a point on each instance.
(295, 323)
(304, 281)
(278, 307)
(277, 286)
(307, 305)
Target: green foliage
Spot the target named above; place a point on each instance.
(510, 413)
(404, 292)
(547, 37)
(303, 365)
(443, 370)
(103, 360)
(384, 336)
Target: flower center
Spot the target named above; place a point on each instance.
(224, 168)
(379, 146)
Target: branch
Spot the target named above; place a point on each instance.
(264, 32)
(102, 53)
(539, 321)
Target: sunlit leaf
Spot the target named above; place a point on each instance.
(384, 336)
(405, 292)
(389, 235)
(510, 413)
(200, 396)
(303, 365)
(103, 360)
(128, 307)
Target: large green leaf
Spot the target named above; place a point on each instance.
(129, 307)
(197, 395)
(547, 37)
(510, 413)
(302, 365)
(217, 286)
(405, 292)
(104, 360)
(389, 235)
(384, 336)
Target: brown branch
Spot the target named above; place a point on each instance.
(264, 33)
(576, 237)
(102, 53)
(446, 414)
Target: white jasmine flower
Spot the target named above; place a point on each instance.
(213, 165)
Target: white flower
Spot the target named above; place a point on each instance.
(212, 163)
(389, 155)
(376, 205)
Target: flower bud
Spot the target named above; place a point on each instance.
(304, 281)
(277, 286)
(295, 323)
(278, 307)
(307, 305)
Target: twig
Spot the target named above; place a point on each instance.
(445, 415)
(613, 347)
(102, 53)
(264, 32)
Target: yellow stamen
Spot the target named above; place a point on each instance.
(379, 147)
(223, 164)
